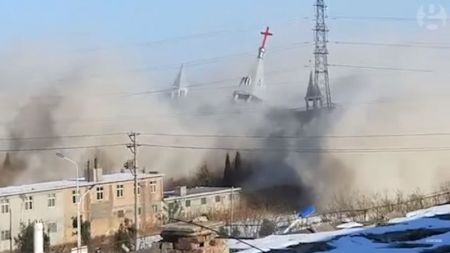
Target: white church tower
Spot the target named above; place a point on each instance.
(179, 87)
(251, 86)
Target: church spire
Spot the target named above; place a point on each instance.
(313, 95)
(179, 88)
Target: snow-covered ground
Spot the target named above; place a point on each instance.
(426, 230)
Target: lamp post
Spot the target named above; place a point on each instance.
(62, 156)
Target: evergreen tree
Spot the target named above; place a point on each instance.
(237, 161)
(25, 242)
(86, 232)
(7, 162)
(227, 172)
(237, 170)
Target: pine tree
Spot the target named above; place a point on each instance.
(237, 161)
(237, 170)
(7, 162)
(227, 172)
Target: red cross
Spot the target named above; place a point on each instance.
(265, 34)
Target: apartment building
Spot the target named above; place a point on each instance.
(107, 200)
(191, 202)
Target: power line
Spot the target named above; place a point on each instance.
(307, 150)
(400, 45)
(374, 18)
(381, 68)
(299, 137)
(210, 83)
(60, 137)
(60, 148)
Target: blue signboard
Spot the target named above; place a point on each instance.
(306, 212)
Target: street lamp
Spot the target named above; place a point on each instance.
(62, 156)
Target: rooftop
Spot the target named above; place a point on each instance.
(198, 191)
(70, 183)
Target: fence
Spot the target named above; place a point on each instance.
(376, 214)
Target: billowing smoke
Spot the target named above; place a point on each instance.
(99, 92)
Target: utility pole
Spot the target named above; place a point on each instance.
(231, 213)
(133, 148)
(321, 78)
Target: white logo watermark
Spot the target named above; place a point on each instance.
(432, 17)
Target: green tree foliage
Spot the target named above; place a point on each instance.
(172, 210)
(237, 171)
(125, 236)
(24, 240)
(85, 232)
(227, 173)
(237, 162)
(267, 228)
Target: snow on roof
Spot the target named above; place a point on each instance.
(69, 183)
(354, 240)
(422, 213)
(198, 191)
(284, 241)
(350, 225)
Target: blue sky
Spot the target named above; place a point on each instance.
(175, 31)
(125, 22)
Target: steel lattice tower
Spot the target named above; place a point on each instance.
(321, 78)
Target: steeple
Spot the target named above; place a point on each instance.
(179, 88)
(251, 87)
(313, 95)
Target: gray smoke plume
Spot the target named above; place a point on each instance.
(95, 93)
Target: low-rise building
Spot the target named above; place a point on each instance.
(107, 201)
(192, 202)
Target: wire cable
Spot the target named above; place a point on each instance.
(61, 148)
(60, 137)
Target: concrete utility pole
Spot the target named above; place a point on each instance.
(321, 78)
(133, 148)
(62, 156)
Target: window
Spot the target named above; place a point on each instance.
(100, 193)
(4, 206)
(188, 203)
(119, 190)
(217, 198)
(51, 200)
(74, 197)
(5, 235)
(155, 208)
(52, 227)
(28, 203)
(120, 214)
(74, 221)
(153, 186)
(139, 211)
(138, 189)
(203, 201)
